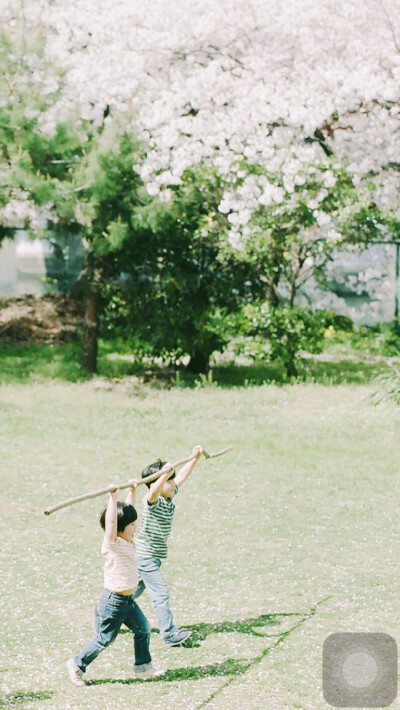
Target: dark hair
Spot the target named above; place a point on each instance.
(153, 468)
(126, 514)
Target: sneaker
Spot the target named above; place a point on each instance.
(75, 673)
(178, 638)
(148, 673)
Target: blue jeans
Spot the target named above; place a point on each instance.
(150, 577)
(112, 611)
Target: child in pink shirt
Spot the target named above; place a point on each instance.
(116, 605)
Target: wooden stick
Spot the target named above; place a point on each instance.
(148, 479)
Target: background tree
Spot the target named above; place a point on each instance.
(110, 190)
(288, 230)
(31, 166)
(65, 176)
(177, 295)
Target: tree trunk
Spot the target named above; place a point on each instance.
(271, 295)
(90, 330)
(198, 362)
(396, 320)
(290, 366)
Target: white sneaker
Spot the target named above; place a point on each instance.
(75, 673)
(147, 673)
(179, 637)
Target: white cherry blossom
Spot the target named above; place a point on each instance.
(215, 81)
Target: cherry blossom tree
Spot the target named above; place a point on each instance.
(280, 84)
(285, 87)
(212, 79)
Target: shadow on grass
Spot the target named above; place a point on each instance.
(230, 667)
(13, 700)
(345, 371)
(327, 372)
(44, 361)
(33, 362)
(247, 626)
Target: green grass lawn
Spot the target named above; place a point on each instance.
(35, 363)
(292, 536)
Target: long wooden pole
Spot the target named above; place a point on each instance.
(148, 479)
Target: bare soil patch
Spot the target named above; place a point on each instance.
(33, 319)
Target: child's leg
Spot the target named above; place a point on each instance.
(111, 613)
(149, 568)
(96, 619)
(138, 624)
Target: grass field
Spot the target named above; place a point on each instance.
(292, 536)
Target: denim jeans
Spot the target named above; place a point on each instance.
(112, 611)
(150, 577)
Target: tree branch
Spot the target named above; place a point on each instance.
(148, 479)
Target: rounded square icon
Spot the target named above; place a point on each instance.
(359, 670)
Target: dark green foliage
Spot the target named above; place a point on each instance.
(181, 279)
(338, 322)
(37, 164)
(110, 192)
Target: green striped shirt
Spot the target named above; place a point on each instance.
(155, 527)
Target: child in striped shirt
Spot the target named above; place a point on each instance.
(117, 605)
(151, 543)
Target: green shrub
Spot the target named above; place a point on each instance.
(281, 333)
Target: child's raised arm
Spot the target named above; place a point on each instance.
(131, 497)
(111, 516)
(156, 487)
(187, 469)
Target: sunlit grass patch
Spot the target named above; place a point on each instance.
(303, 509)
(21, 699)
(37, 363)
